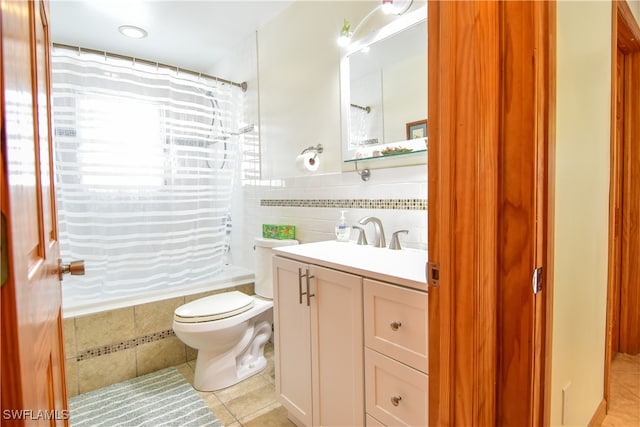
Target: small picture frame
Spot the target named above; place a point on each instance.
(417, 129)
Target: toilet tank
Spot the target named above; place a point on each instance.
(263, 249)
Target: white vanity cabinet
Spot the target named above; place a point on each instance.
(318, 343)
(351, 335)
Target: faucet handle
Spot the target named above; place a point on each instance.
(362, 238)
(395, 242)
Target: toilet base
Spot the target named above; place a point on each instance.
(214, 372)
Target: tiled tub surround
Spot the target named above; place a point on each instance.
(115, 345)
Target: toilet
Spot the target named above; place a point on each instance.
(230, 329)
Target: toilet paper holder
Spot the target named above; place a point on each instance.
(317, 149)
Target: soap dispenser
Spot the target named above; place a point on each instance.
(343, 231)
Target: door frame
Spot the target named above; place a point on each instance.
(475, 66)
(625, 36)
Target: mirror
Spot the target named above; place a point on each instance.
(384, 92)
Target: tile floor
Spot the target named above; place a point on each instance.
(252, 403)
(624, 403)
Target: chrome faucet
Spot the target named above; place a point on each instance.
(395, 242)
(362, 238)
(379, 231)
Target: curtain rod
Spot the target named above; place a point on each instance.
(242, 85)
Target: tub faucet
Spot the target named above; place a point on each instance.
(379, 231)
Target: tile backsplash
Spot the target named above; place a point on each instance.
(398, 196)
(402, 204)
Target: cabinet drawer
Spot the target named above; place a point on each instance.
(372, 422)
(395, 393)
(395, 322)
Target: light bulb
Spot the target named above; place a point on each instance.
(387, 6)
(344, 40)
(345, 34)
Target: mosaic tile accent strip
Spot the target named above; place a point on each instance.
(401, 204)
(124, 345)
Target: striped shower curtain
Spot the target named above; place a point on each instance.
(145, 162)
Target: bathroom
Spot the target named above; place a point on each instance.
(582, 32)
(131, 336)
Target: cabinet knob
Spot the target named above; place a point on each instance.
(395, 325)
(395, 400)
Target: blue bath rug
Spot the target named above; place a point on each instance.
(162, 398)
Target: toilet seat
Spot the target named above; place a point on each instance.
(214, 307)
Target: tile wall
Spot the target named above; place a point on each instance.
(398, 196)
(113, 346)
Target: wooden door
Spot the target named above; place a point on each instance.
(337, 348)
(623, 300)
(490, 131)
(291, 318)
(629, 87)
(33, 382)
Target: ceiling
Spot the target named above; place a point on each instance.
(187, 34)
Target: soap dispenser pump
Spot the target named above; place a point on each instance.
(343, 231)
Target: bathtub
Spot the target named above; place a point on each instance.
(229, 277)
(113, 340)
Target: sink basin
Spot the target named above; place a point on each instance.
(405, 267)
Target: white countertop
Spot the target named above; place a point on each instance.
(406, 267)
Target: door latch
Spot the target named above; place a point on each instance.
(536, 280)
(433, 274)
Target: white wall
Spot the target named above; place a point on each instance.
(298, 67)
(299, 83)
(581, 204)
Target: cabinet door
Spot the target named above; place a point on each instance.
(292, 351)
(338, 371)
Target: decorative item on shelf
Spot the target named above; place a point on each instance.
(309, 159)
(390, 151)
(417, 129)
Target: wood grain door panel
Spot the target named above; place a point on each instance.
(32, 350)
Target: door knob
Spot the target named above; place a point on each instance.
(75, 268)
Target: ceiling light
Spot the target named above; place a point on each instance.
(132, 31)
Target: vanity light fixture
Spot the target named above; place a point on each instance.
(345, 34)
(389, 7)
(132, 31)
(395, 7)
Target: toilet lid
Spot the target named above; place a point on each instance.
(214, 307)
